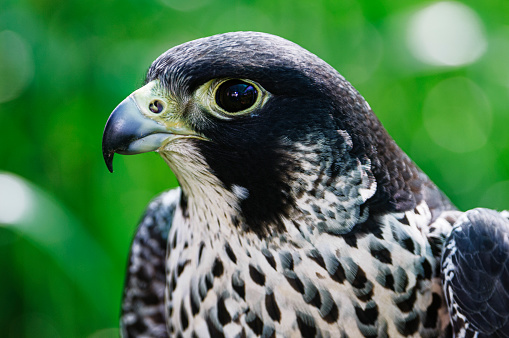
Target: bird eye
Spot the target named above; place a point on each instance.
(236, 95)
(156, 106)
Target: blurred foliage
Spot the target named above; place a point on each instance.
(64, 65)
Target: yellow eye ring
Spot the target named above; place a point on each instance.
(251, 96)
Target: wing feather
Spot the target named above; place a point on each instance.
(143, 311)
(475, 266)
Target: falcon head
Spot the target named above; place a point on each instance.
(264, 126)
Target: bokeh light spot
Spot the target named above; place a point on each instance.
(446, 34)
(457, 115)
(496, 196)
(16, 65)
(15, 199)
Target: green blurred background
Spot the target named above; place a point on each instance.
(436, 74)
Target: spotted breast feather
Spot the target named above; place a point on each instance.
(297, 214)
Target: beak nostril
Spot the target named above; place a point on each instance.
(128, 131)
(156, 106)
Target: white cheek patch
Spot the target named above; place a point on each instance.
(240, 192)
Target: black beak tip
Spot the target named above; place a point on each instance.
(108, 159)
(108, 143)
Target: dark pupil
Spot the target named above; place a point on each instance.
(155, 106)
(235, 95)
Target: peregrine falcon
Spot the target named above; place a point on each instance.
(297, 214)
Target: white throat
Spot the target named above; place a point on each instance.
(209, 202)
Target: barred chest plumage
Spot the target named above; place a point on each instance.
(384, 283)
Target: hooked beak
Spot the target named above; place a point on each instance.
(133, 129)
(129, 132)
